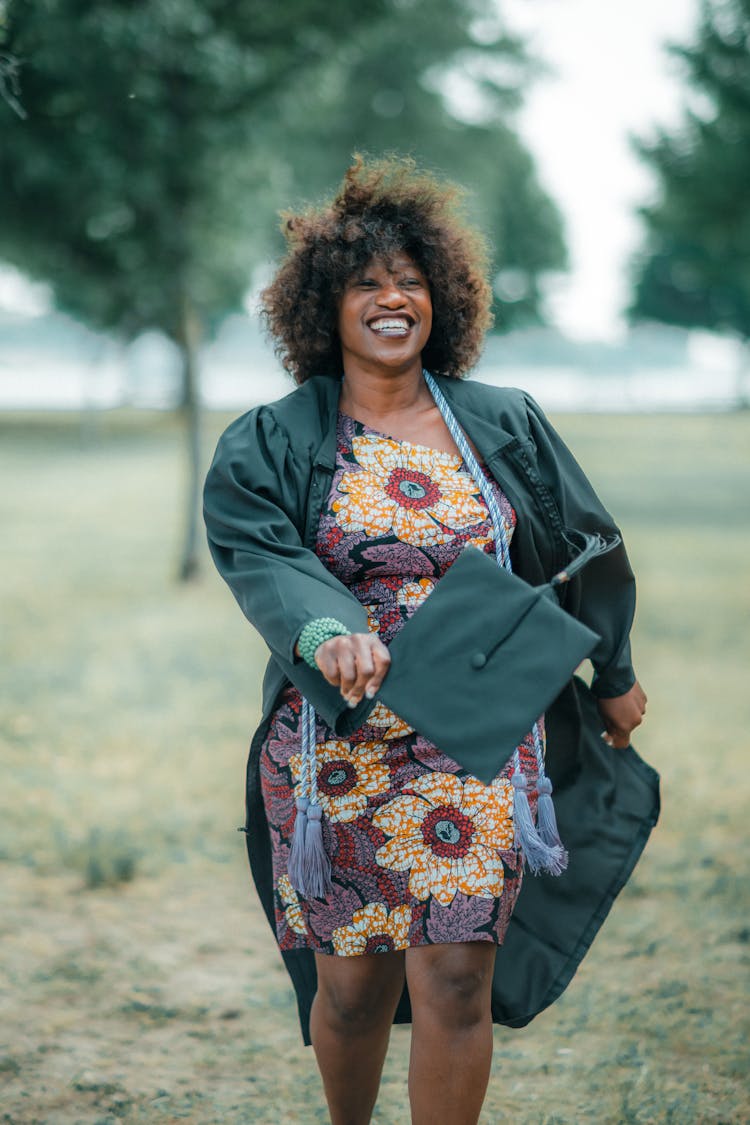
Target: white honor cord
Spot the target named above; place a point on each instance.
(502, 546)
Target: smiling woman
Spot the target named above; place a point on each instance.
(387, 216)
(385, 313)
(390, 872)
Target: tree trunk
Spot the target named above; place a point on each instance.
(191, 410)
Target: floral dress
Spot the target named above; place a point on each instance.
(421, 851)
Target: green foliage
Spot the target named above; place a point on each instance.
(128, 186)
(162, 137)
(696, 266)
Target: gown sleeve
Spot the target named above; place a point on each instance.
(602, 595)
(255, 521)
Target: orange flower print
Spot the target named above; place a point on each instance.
(347, 776)
(373, 621)
(407, 491)
(390, 726)
(448, 833)
(482, 541)
(291, 905)
(373, 930)
(412, 594)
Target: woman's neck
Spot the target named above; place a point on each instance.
(373, 395)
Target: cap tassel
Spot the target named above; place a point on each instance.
(593, 547)
(546, 821)
(538, 855)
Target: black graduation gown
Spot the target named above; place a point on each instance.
(262, 501)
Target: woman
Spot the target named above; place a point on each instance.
(332, 515)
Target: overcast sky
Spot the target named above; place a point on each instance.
(611, 78)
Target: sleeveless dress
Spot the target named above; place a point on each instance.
(421, 851)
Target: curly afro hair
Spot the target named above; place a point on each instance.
(383, 207)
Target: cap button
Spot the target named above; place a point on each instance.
(478, 660)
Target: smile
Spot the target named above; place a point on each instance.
(391, 325)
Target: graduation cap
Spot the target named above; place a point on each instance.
(483, 657)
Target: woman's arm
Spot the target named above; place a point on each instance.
(254, 519)
(602, 595)
(255, 507)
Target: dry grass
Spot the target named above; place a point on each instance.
(144, 985)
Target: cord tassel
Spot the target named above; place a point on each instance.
(308, 867)
(538, 855)
(296, 862)
(316, 866)
(546, 821)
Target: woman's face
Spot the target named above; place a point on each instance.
(385, 315)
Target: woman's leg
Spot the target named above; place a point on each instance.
(350, 1025)
(451, 1046)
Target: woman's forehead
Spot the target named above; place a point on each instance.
(392, 263)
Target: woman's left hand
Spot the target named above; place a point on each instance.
(621, 715)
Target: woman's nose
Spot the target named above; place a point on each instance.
(390, 295)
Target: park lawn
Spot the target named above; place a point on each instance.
(143, 984)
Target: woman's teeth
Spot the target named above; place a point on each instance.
(392, 326)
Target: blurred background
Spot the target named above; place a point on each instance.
(145, 152)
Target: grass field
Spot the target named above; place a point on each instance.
(141, 982)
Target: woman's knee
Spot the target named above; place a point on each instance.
(349, 1012)
(356, 1003)
(453, 985)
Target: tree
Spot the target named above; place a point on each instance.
(127, 186)
(695, 268)
(161, 137)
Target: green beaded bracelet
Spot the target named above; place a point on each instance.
(315, 633)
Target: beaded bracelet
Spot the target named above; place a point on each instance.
(315, 633)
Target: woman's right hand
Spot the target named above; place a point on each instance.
(621, 715)
(355, 664)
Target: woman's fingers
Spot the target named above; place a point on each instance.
(381, 661)
(357, 669)
(371, 660)
(355, 664)
(328, 657)
(616, 739)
